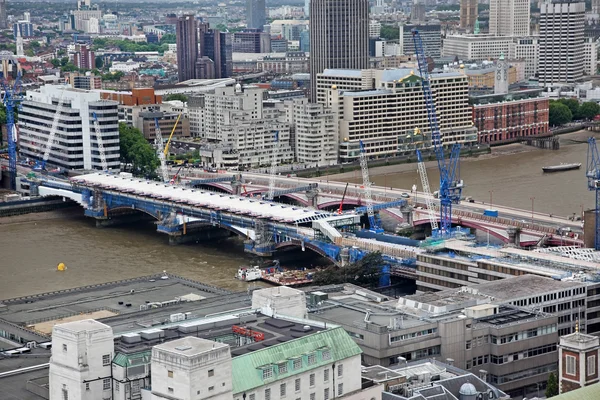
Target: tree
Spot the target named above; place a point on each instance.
(573, 106)
(55, 62)
(64, 61)
(588, 110)
(168, 38)
(389, 32)
(364, 272)
(34, 44)
(99, 62)
(560, 114)
(136, 152)
(176, 96)
(552, 385)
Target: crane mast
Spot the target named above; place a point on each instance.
(593, 177)
(10, 99)
(431, 209)
(161, 152)
(99, 140)
(364, 167)
(450, 186)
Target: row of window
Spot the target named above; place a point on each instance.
(413, 335)
(311, 384)
(530, 333)
(296, 364)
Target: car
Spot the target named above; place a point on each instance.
(405, 195)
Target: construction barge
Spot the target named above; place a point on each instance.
(276, 275)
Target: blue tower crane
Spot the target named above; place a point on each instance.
(592, 173)
(10, 99)
(450, 185)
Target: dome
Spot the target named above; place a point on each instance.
(467, 389)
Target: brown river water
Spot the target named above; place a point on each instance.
(31, 248)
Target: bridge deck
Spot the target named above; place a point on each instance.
(200, 198)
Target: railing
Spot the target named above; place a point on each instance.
(373, 246)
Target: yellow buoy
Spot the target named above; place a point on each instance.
(61, 267)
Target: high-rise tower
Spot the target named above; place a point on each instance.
(339, 36)
(561, 57)
(509, 17)
(468, 14)
(3, 19)
(187, 47)
(255, 14)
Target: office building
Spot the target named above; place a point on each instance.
(468, 14)
(236, 118)
(25, 28)
(431, 36)
(145, 121)
(3, 18)
(395, 108)
(509, 17)
(374, 29)
(187, 47)
(255, 14)
(75, 144)
(501, 118)
(561, 54)
(85, 82)
(305, 41)
(590, 59)
(251, 42)
(84, 57)
(417, 11)
(315, 131)
(339, 36)
(217, 47)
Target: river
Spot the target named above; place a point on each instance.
(31, 248)
(513, 174)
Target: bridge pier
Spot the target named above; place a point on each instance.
(115, 220)
(201, 235)
(236, 184)
(313, 197)
(513, 236)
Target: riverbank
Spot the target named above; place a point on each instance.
(73, 212)
(566, 139)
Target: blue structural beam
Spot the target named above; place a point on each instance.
(281, 192)
(197, 182)
(382, 206)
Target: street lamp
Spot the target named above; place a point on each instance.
(532, 199)
(491, 192)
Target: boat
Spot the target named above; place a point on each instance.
(249, 274)
(289, 278)
(561, 167)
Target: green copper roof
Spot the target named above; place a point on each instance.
(128, 360)
(248, 368)
(591, 392)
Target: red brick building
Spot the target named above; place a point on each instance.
(578, 361)
(510, 117)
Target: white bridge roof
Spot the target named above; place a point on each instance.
(201, 198)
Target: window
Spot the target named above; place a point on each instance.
(65, 394)
(312, 396)
(297, 363)
(170, 390)
(326, 394)
(106, 359)
(211, 372)
(340, 369)
(106, 384)
(211, 388)
(170, 374)
(312, 359)
(117, 386)
(282, 390)
(340, 389)
(252, 397)
(87, 386)
(283, 368)
(326, 355)
(325, 374)
(267, 394)
(64, 347)
(591, 365)
(135, 386)
(311, 380)
(571, 366)
(267, 373)
(297, 385)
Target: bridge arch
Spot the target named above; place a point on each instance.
(307, 245)
(469, 224)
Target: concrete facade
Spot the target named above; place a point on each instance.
(578, 358)
(80, 367)
(509, 17)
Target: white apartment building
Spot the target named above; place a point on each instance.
(124, 66)
(590, 60)
(316, 133)
(374, 29)
(75, 143)
(385, 114)
(80, 366)
(485, 47)
(561, 57)
(509, 17)
(236, 118)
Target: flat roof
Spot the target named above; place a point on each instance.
(200, 198)
(189, 346)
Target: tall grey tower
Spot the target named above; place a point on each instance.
(187, 46)
(339, 37)
(501, 80)
(561, 43)
(3, 19)
(255, 14)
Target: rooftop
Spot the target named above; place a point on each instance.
(189, 346)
